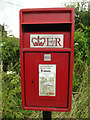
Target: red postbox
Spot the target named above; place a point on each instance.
(46, 58)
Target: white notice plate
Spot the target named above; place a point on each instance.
(47, 79)
(46, 40)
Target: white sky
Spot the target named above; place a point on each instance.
(9, 10)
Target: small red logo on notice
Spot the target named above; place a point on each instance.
(38, 41)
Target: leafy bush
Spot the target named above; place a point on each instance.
(12, 107)
(10, 52)
(80, 56)
(81, 13)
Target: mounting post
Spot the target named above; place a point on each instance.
(47, 115)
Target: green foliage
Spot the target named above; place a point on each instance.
(10, 52)
(80, 56)
(81, 45)
(81, 13)
(12, 107)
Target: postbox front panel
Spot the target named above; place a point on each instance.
(48, 77)
(46, 58)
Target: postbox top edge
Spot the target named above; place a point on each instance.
(65, 9)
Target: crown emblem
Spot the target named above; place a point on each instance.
(38, 41)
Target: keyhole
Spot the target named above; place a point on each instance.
(32, 81)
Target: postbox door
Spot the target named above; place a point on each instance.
(57, 64)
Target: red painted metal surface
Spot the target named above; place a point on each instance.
(46, 21)
(32, 60)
